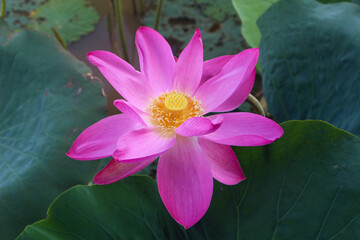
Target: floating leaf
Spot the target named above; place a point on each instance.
(309, 56)
(180, 19)
(18, 12)
(71, 19)
(304, 186)
(46, 100)
(216, 9)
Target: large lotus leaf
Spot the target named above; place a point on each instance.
(129, 209)
(216, 20)
(71, 19)
(4, 29)
(249, 11)
(334, 1)
(304, 186)
(310, 62)
(46, 100)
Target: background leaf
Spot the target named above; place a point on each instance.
(215, 18)
(304, 186)
(216, 9)
(310, 62)
(249, 11)
(18, 11)
(44, 104)
(71, 19)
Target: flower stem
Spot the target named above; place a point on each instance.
(118, 13)
(134, 7)
(112, 33)
(254, 102)
(142, 6)
(158, 14)
(3, 7)
(58, 37)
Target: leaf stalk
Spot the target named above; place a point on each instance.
(3, 8)
(254, 102)
(158, 14)
(119, 22)
(58, 37)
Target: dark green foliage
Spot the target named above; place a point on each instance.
(304, 186)
(46, 100)
(309, 56)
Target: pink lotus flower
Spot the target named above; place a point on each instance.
(163, 116)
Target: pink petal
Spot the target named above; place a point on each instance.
(197, 126)
(131, 111)
(234, 74)
(224, 165)
(213, 66)
(142, 143)
(245, 129)
(239, 95)
(123, 77)
(185, 181)
(99, 140)
(156, 59)
(189, 66)
(114, 171)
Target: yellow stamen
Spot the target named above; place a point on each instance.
(175, 101)
(171, 109)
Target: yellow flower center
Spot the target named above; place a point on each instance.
(173, 108)
(175, 102)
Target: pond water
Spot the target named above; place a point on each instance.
(99, 39)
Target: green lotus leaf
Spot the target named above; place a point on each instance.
(46, 100)
(18, 12)
(303, 186)
(249, 12)
(309, 55)
(71, 19)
